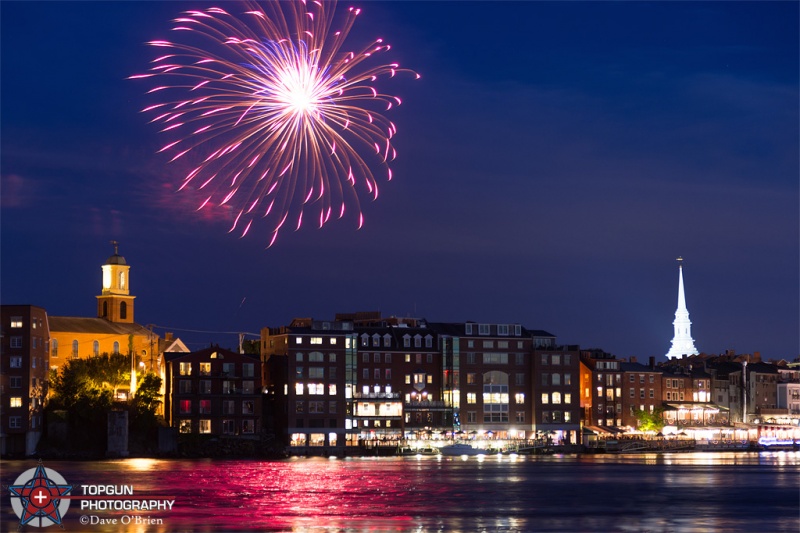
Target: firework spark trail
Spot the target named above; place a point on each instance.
(275, 111)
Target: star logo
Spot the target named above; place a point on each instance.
(38, 497)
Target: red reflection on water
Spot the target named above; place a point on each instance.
(298, 494)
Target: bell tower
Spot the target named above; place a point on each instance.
(115, 303)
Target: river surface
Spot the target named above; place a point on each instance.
(752, 492)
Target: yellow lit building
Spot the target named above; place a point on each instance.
(113, 331)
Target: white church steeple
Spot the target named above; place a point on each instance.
(682, 343)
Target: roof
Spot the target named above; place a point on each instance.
(222, 354)
(637, 367)
(116, 259)
(74, 324)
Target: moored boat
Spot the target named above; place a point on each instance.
(461, 448)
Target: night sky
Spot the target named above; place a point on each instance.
(553, 161)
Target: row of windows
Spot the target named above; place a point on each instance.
(229, 407)
(494, 344)
(15, 361)
(556, 359)
(16, 342)
(314, 357)
(610, 379)
(315, 372)
(314, 389)
(632, 378)
(376, 373)
(16, 422)
(556, 397)
(229, 427)
(387, 340)
(486, 329)
(204, 386)
(315, 407)
(17, 322)
(229, 369)
(95, 348)
(641, 393)
(556, 379)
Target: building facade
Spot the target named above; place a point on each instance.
(214, 392)
(23, 377)
(641, 391)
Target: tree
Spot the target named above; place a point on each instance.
(87, 389)
(650, 421)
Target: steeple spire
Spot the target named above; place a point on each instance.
(682, 343)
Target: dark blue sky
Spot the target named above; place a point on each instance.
(554, 160)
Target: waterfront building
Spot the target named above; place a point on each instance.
(214, 392)
(310, 370)
(24, 368)
(682, 342)
(761, 390)
(601, 385)
(114, 330)
(555, 390)
(641, 390)
(399, 392)
(688, 397)
(491, 369)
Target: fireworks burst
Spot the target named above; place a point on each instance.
(273, 114)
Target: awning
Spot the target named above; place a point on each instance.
(597, 430)
(689, 406)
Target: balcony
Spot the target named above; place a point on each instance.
(377, 395)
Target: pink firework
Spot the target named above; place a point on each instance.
(277, 119)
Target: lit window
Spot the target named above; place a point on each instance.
(186, 369)
(298, 389)
(15, 401)
(316, 340)
(519, 397)
(16, 322)
(472, 397)
(186, 406)
(205, 369)
(545, 397)
(332, 389)
(205, 426)
(556, 397)
(567, 397)
(298, 340)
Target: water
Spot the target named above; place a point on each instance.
(627, 493)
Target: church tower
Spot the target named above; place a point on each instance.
(115, 304)
(682, 343)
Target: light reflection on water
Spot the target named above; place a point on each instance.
(641, 492)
